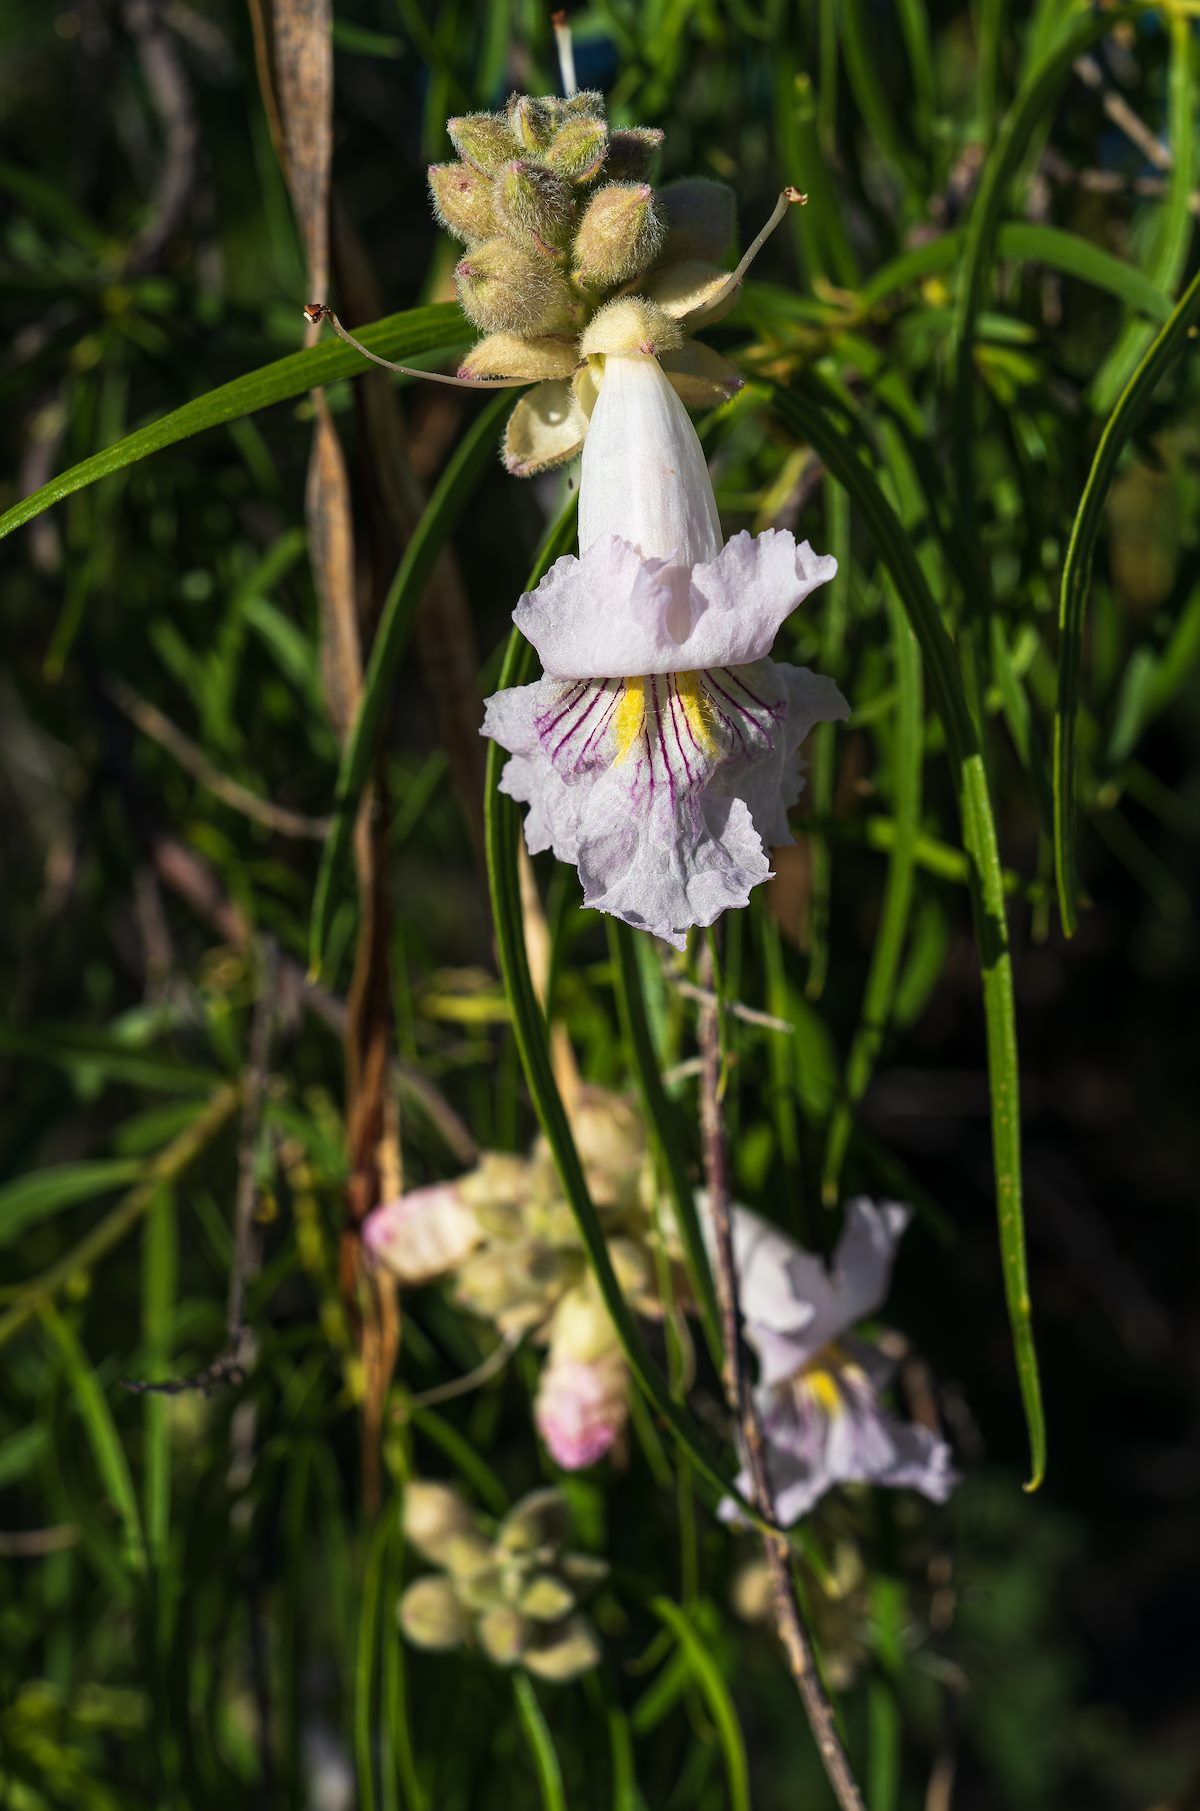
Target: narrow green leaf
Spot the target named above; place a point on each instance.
(541, 1744)
(35, 1197)
(808, 410)
(107, 1058)
(1173, 236)
(431, 332)
(663, 1121)
(160, 1263)
(441, 514)
(101, 1431)
(883, 975)
(1035, 99)
(366, 1656)
(1164, 349)
(708, 1677)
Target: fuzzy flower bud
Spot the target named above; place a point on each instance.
(532, 120)
(434, 1517)
(503, 1634)
(565, 1652)
(483, 140)
(431, 1615)
(628, 326)
(577, 150)
(631, 153)
(701, 218)
(463, 201)
(534, 205)
(505, 289)
(619, 235)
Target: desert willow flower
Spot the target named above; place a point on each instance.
(819, 1384)
(658, 753)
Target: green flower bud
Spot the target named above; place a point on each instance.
(590, 101)
(504, 289)
(701, 218)
(577, 150)
(564, 1653)
(435, 1516)
(431, 1615)
(532, 120)
(488, 1588)
(618, 236)
(534, 206)
(466, 1554)
(483, 140)
(540, 1521)
(630, 324)
(503, 1635)
(631, 153)
(463, 201)
(540, 360)
(546, 1598)
(584, 1572)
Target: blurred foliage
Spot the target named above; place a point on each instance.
(198, 1604)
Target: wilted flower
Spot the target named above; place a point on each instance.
(507, 1235)
(515, 1595)
(819, 1387)
(658, 752)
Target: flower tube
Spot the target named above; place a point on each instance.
(658, 751)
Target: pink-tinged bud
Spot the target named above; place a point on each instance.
(483, 140)
(463, 201)
(532, 120)
(581, 1408)
(631, 153)
(619, 235)
(701, 218)
(578, 149)
(431, 1615)
(535, 207)
(423, 1234)
(506, 290)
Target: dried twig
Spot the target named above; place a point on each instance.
(789, 1621)
(34, 1543)
(750, 1015)
(158, 726)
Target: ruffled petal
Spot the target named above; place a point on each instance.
(841, 1434)
(646, 785)
(613, 614)
(806, 1305)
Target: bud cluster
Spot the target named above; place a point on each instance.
(558, 217)
(513, 1594)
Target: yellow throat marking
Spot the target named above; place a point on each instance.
(630, 716)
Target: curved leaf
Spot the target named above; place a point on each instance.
(716, 1693)
(417, 333)
(808, 411)
(1164, 349)
(44, 1192)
